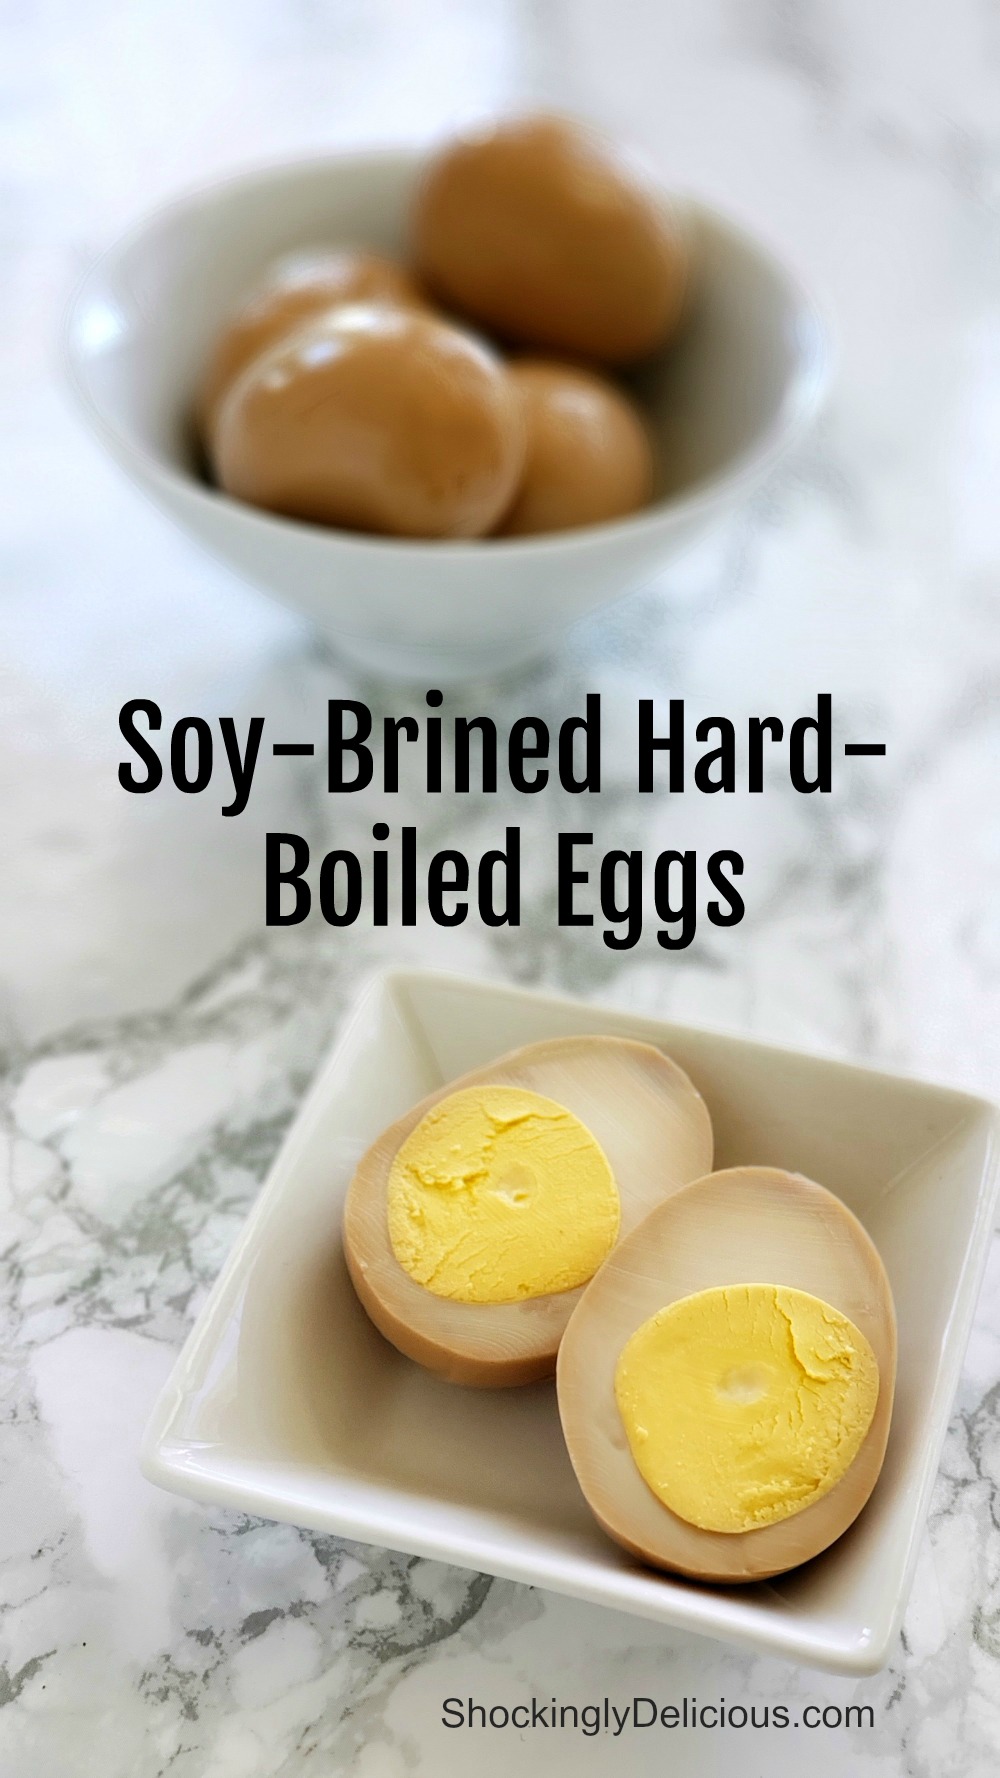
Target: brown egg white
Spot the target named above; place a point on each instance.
(543, 231)
(588, 456)
(375, 418)
(747, 1225)
(655, 1131)
(292, 289)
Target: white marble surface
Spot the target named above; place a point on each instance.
(156, 1038)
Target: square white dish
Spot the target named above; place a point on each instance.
(286, 1402)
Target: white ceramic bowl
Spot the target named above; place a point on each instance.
(725, 404)
(286, 1402)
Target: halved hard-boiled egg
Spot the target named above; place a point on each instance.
(725, 1383)
(473, 1224)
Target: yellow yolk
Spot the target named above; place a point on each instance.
(500, 1194)
(743, 1405)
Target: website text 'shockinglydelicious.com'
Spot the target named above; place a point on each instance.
(615, 1717)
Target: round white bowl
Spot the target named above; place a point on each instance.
(725, 404)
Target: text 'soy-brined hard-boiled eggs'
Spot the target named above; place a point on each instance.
(544, 232)
(474, 1222)
(736, 1357)
(376, 418)
(292, 289)
(588, 457)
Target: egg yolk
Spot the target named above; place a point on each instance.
(501, 1194)
(745, 1404)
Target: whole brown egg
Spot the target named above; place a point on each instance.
(375, 418)
(544, 232)
(293, 288)
(587, 452)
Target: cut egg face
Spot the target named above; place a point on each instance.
(726, 1382)
(475, 1222)
(499, 1195)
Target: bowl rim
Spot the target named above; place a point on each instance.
(801, 398)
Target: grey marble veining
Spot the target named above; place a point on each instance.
(157, 1040)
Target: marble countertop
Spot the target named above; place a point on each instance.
(157, 1039)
